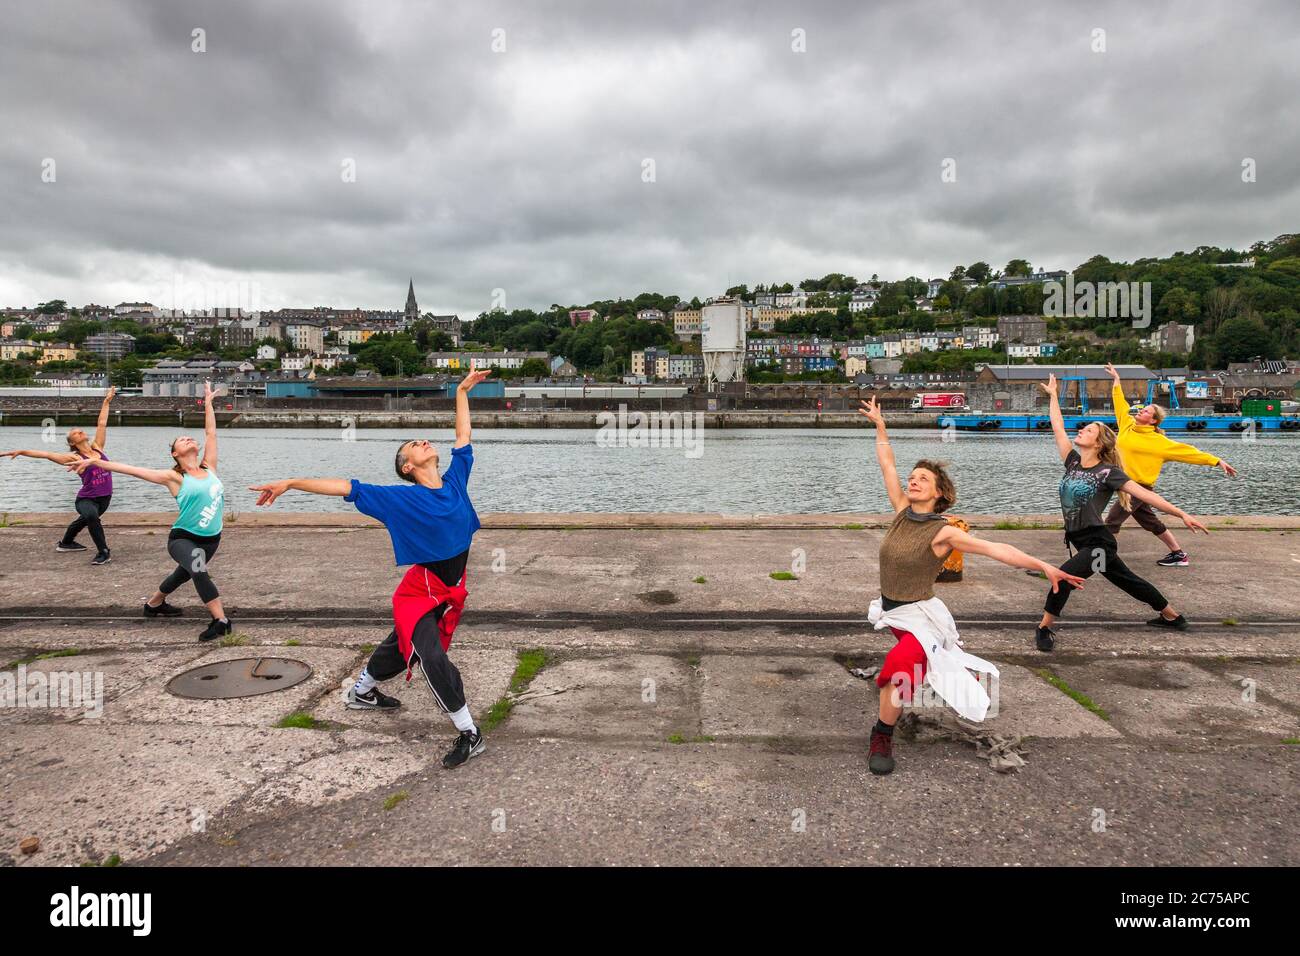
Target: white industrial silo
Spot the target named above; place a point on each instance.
(722, 340)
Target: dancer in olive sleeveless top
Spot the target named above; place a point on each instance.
(918, 542)
(200, 500)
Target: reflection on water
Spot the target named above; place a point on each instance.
(770, 471)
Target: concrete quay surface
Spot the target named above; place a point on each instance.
(692, 709)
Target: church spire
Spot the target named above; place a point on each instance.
(412, 310)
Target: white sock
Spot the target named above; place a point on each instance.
(463, 721)
(365, 683)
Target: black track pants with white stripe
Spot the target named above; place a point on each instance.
(439, 672)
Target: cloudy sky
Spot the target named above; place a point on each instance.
(505, 145)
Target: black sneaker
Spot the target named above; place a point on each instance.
(216, 629)
(1177, 624)
(1174, 559)
(1044, 639)
(881, 757)
(103, 557)
(467, 745)
(162, 610)
(373, 699)
(64, 547)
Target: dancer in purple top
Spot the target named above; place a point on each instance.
(96, 484)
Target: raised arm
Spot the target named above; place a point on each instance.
(337, 487)
(209, 429)
(475, 376)
(1123, 417)
(167, 477)
(959, 540)
(1150, 497)
(1058, 422)
(884, 453)
(60, 457)
(101, 428)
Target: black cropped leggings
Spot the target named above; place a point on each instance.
(191, 554)
(1096, 553)
(88, 512)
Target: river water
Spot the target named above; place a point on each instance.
(760, 471)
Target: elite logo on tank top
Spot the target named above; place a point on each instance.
(217, 495)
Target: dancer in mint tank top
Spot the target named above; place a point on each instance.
(200, 501)
(96, 484)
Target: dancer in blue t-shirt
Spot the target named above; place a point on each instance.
(430, 522)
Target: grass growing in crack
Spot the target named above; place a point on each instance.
(367, 648)
(1015, 526)
(1293, 741)
(396, 798)
(1230, 622)
(48, 655)
(235, 640)
(697, 739)
(852, 527)
(293, 642)
(300, 720)
(1083, 700)
(783, 576)
(700, 580)
(113, 859)
(530, 663)
(692, 660)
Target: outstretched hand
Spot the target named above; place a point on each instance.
(475, 376)
(1056, 576)
(1050, 385)
(1113, 372)
(81, 464)
(1195, 525)
(1227, 469)
(270, 491)
(871, 411)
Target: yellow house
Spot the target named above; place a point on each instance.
(57, 352)
(14, 348)
(856, 366)
(686, 322)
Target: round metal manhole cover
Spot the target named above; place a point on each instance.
(245, 677)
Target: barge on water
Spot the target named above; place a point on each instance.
(1173, 422)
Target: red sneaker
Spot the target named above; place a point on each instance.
(881, 760)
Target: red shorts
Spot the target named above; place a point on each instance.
(904, 665)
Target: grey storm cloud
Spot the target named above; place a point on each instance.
(522, 169)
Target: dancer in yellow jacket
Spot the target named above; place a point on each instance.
(1144, 449)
